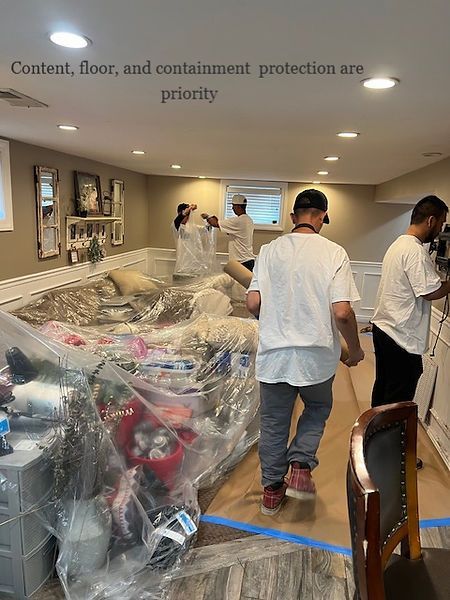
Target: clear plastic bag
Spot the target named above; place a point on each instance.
(196, 250)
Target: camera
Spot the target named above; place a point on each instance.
(443, 250)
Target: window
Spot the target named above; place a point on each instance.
(264, 201)
(6, 213)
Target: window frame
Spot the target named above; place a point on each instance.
(225, 183)
(7, 223)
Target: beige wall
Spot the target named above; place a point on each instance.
(433, 179)
(364, 228)
(18, 248)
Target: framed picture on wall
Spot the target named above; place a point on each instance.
(88, 194)
(73, 256)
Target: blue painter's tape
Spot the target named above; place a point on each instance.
(444, 522)
(299, 539)
(282, 535)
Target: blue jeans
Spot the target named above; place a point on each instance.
(277, 404)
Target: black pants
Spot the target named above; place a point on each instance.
(397, 371)
(248, 264)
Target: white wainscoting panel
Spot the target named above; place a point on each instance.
(439, 420)
(367, 279)
(19, 291)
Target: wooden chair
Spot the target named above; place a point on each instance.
(383, 511)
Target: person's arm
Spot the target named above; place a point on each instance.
(211, 220)
(253, 302)
(441, 292)
(253, 294)
(347, 326)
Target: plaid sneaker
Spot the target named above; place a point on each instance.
(301, 484)
(273, 499)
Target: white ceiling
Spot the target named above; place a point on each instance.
(277, 128)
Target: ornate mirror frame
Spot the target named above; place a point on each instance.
(48, 211)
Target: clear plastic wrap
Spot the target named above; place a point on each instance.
(78, 305)
(98, 302)
(196, 251)
(128, 450)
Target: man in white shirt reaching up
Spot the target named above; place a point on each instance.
(240, 229)
(301, 290)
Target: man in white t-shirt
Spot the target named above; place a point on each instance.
(409, 282)
(240, 229)
(301, 290)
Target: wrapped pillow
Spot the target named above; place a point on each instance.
(131, 282)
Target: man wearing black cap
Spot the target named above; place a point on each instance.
(183, 212)
(301, 289)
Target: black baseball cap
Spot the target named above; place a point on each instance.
(312, 199)
(182, 207)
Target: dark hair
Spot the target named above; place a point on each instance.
(181, 207)
(430, 206)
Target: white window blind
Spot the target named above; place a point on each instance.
(264, 202)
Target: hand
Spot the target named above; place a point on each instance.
(355, 357)
(204, 215)
(193, 206)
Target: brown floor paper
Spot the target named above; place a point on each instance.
(325, 519)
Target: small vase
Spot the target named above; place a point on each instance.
(82, 209)
(85, 536)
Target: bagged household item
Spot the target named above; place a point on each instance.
(195, 250)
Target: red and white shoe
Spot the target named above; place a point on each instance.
(273, 499)
(301, 484)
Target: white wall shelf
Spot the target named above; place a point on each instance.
(74, 219)
(81, 230)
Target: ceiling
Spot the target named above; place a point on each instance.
(273, 128)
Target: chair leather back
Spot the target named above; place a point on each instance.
(382, 492)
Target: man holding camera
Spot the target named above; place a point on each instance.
(401, 323)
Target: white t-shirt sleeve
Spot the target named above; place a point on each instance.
(230, 226)
(422, 275)
(343, 288)
(254, 285)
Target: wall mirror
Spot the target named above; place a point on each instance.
(117, 211)
(47, 205)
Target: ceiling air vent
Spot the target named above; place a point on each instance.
(16, 98)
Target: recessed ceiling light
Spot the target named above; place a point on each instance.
(380, 83)
(316, 182)
(331, 158)
(431, 154)
(347, 134)
(68, 127)
(176, 166)
(202, 176)
(322, 172)
(69, 40)
(140, 152)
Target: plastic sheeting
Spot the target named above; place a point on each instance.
(128, 450)
(196, 250)
(98, 303)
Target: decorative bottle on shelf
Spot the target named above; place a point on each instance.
(82, 205)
